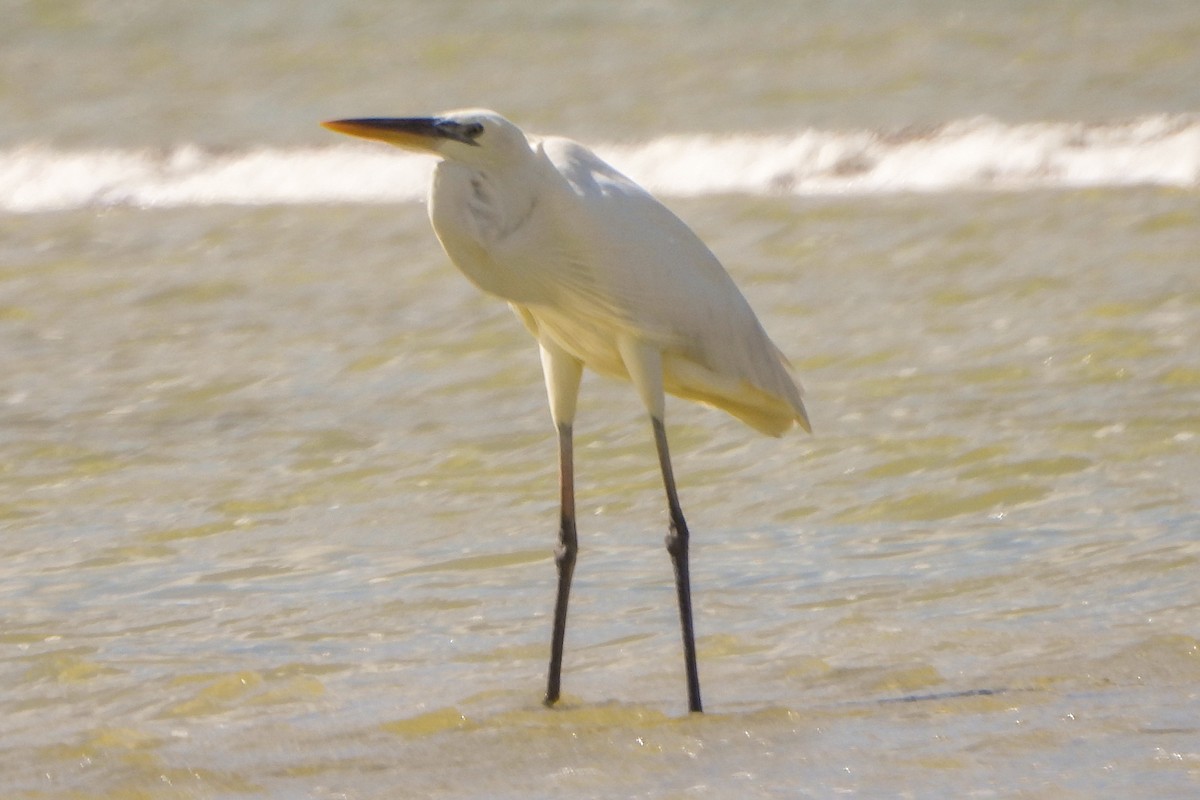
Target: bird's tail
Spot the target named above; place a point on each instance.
(773, 413)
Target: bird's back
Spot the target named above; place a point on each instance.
(629, 264)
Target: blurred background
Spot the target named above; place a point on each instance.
(163, 73)
(277, 485)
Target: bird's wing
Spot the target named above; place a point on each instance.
(626, 262)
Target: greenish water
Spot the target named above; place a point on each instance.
(161, 72)
(277, 486)
(279, 503)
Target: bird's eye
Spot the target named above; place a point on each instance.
(465, 132)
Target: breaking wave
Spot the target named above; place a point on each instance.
(978, 154)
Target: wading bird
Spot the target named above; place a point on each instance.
(604, 277)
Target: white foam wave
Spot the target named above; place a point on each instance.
(970, 155)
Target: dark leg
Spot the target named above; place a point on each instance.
(564, 558)
(677, 546)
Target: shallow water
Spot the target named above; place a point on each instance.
(279, 504)
(277, 486)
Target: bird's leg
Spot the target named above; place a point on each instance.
(677, 546)
(563, 373)
(564, 558)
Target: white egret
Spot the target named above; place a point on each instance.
(605, 277)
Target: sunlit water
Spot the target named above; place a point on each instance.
(272, 529)
(278, 499)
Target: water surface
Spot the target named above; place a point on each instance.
(277, 486)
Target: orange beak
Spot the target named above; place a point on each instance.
(421, 134)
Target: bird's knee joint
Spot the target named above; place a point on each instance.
(564, 553)
(676, 543)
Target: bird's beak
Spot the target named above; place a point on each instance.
(422, 134)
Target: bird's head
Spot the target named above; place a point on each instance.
(473, 136)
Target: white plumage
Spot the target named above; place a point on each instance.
(587, 257)
(604, 277)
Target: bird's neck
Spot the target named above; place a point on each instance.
(481, 216)
(497, 202)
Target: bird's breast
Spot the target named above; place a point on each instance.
(496, 235)
(475, 224)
